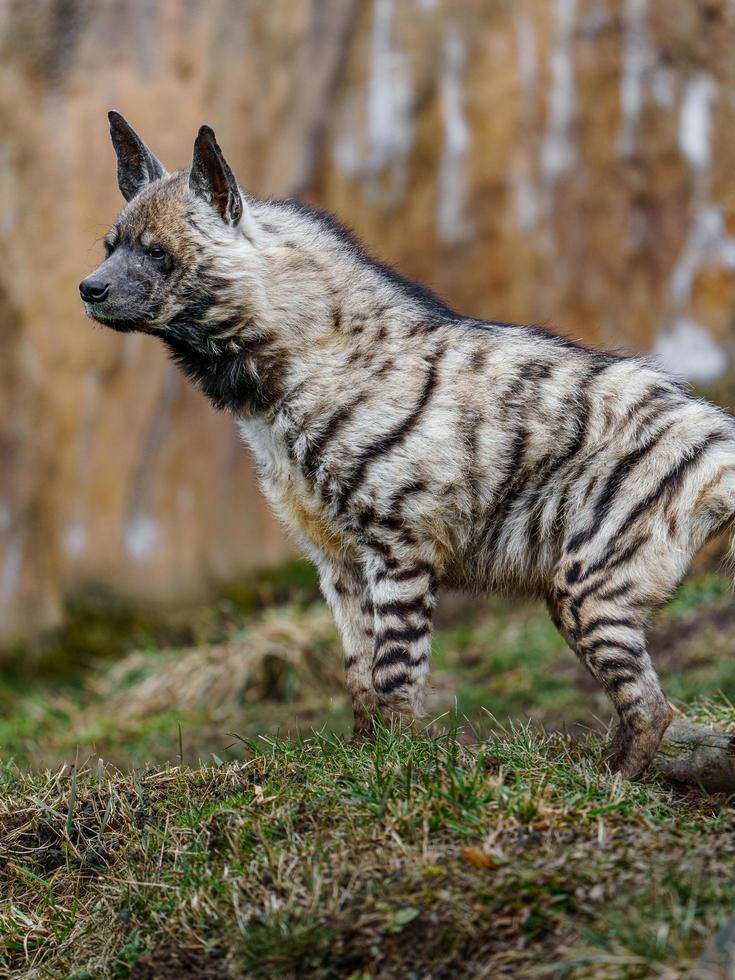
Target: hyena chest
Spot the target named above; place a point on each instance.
(306, 516)
(293, 498)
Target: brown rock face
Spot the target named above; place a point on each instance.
(568, 163)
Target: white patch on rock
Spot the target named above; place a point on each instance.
(347, 151)
(527, 55)
(637, 60)
(687, 350)
(141, 536)
(558, 151)
(525, 192)
(390, 126)
(695, 121)
(526, 198)
(451, 222)
(707, 244)
(388, 134)
(595, 18)
(75, 538)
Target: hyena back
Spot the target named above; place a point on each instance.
(409, 447)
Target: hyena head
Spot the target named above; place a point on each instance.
(246, 294)
(163, 272)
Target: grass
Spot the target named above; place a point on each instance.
(196, 809)
(408, 855)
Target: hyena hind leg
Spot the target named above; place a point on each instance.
(604, 627)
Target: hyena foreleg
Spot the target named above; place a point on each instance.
(403, 588)
(604, 624)
(346, 591)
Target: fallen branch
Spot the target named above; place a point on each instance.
(697, 756)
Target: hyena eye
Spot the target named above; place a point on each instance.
(155, 252)
(109, 247)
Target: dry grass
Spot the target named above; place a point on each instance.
(265, 662)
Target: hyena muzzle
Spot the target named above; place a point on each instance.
(409, 447)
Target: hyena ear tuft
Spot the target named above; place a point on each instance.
(212, 179)
(136, 165)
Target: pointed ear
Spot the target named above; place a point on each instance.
(136, 165)
(212, 179)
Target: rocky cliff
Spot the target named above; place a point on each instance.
(567, 162)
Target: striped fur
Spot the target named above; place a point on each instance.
(409, 448)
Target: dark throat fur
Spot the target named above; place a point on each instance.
(236, 376)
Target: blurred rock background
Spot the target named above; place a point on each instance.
(567, 162)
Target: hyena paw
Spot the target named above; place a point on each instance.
(366, 725)
(367, 717)
(365, 721)
(394, 713)
(634, 744)
(629, 761)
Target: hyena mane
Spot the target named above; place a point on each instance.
(408, 447)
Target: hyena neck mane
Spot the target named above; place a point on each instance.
(297, 299)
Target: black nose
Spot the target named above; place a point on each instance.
(94, 291)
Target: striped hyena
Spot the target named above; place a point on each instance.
(410, 447)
